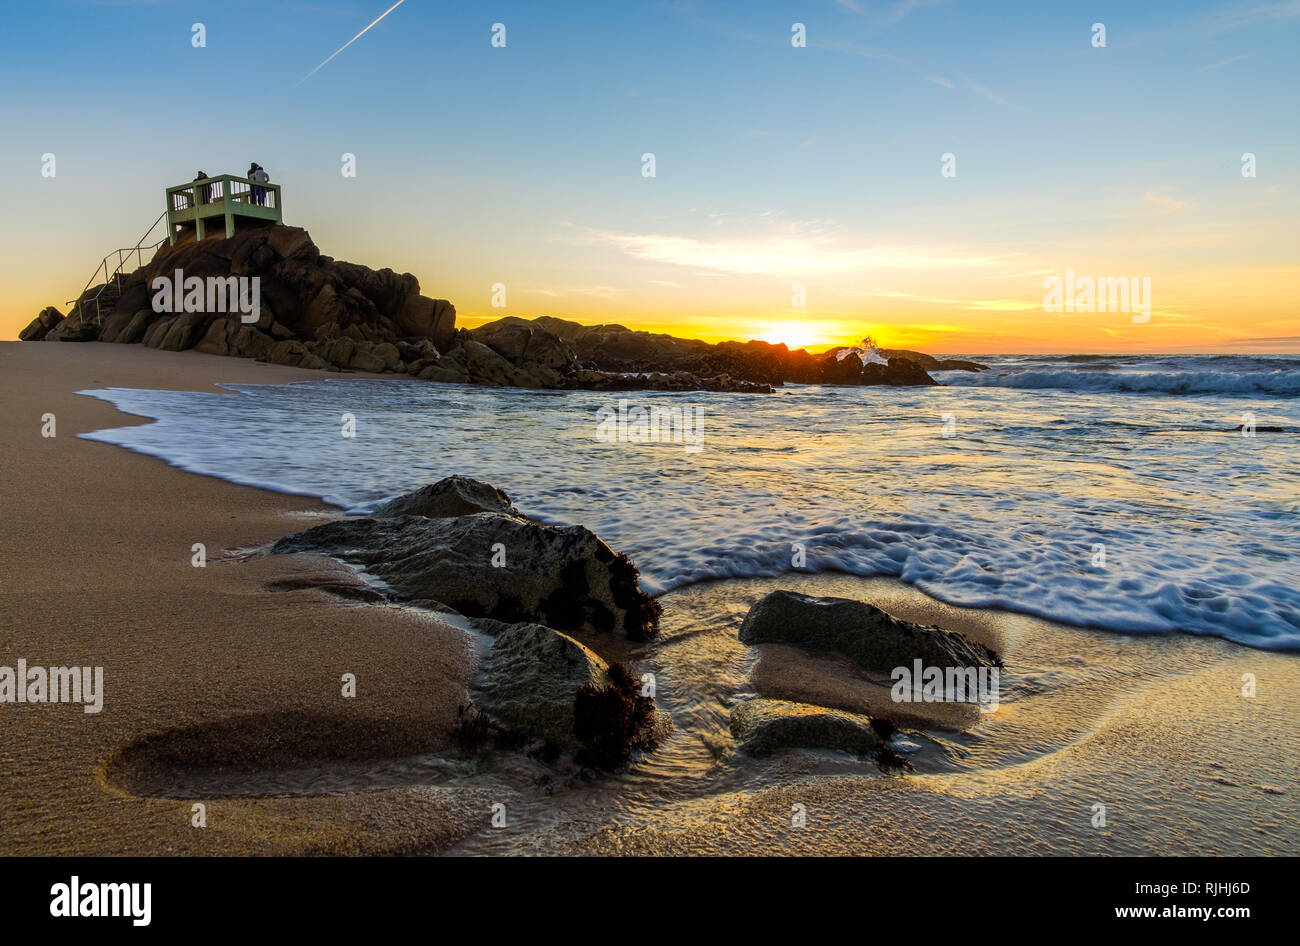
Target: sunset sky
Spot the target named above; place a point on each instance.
(775, 165)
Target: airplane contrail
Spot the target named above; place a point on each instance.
(351, 41)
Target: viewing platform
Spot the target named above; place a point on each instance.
(220, 200)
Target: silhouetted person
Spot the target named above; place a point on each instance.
(205, 190)
(255, 194)
(261, 177)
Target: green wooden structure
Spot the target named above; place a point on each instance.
(223, 199)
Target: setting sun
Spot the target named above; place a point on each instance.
(809, 334)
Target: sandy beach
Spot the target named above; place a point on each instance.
(227, 671)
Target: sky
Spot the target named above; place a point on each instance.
(798, 191)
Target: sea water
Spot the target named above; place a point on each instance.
(1111, 492)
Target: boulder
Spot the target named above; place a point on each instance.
(136, 327)
(485, 366)
(247, 342)
(533, 678)
(862, 632)
(523, 344)
(158, 330)
(443, 374)
(548, 686)
(413, 368)
(434, 319)
(388, 356)
(419, 349)
(80, 333)
(295, 354)
(364, 359)
(187, 330)
(216, 340)
(537, 376)
(765, 726)
(495, 565)
(452, 496)
(898, 373)
(339, 351)
(40, 326)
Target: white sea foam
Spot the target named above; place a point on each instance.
(1198, 523)
(1229, 375)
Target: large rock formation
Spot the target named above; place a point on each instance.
(315, 311)
(318, 312)
(614, 357)
(862, 632)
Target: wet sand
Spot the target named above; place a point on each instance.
(220, 690)
(96, 551)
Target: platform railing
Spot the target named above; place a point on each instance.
(225, 196)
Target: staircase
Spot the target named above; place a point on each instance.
(90, 307)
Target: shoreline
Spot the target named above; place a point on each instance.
(98, 550)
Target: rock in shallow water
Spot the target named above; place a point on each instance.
(548, 686)
(764, 726)
(451, 496)
(494, 565)
(532, 681)
(862, 632)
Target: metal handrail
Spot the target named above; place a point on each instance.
(115, 276)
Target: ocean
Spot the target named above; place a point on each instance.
(1114, 492)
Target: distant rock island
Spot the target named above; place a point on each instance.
(318, 312)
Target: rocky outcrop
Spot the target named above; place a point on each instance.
(40, 326)
(862, 632)
(931, 363)
(614, 357)
(494, 565)
(308, 300)
(322, 313)
(765, 726)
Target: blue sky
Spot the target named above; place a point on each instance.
(521, 165)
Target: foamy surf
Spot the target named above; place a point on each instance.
(1098, 508)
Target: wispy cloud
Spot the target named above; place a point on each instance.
(1288, 341)
(1224, 62)
(853, 49)
(1165, 206)
(939, 80)
(902, 9)
(786, 250)
(984, 91)
(983, 305)
(1236, 16)
(560, 292)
